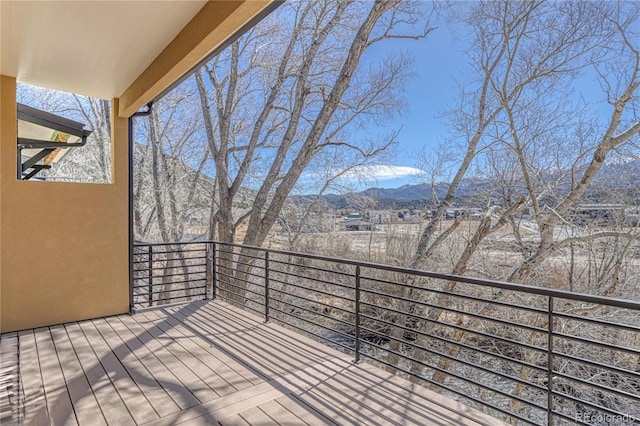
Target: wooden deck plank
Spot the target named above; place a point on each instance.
(363, 396)
(336, 415)
(254, 416)
(230, 405)
(163, 360)
(280, 414)
(399, 408)
(230, 340)
(203, 364)
(275, 332)
(35, 404)
(270, 352)
(308, 414)
(162, 403)
(58, 401)
(431, 402)
(171, 383)
(235, 420)
(232, 371)
(111, 404)
(230, 346)
(84, 401)
(304, 347)
(162, 346)
(368, 402)
(9, 377)
(139, 407)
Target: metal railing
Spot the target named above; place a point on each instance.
(521, 353)
(169, 272)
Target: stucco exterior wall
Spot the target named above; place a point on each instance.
(64, 245)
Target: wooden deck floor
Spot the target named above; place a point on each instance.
(207, 363)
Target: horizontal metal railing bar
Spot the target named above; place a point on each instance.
(170, 298)
(227, 248)
(561, 294)
(146, 252)
(314, 279)
(313, 312)
(170, 291)
(597, 321)
(244, 280)
(174, 243)
(242, 288)
(472, 348)
(597, 343)
(315, 290)
(244, 272)
(160, 268)
(467, 363)
(161, 254)
(167, 290)
(458, 295)
(349, 311)
(175, 263)
(572, 419)
(589, 404)
(156, 278)
(455, 391)
(315, 268)
(597, 385)
(449, 373)
(458, 327)
(347, 335)
(249, 264)
(227, 269)
(443, 308)
(326, 339)
(220, 288)
(250, 256)
(249, 308)
(230, 300)
(594, 363)
(169, 283)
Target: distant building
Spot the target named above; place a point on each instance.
(357, 225)
(600, 214)
(464, 212)
(353, 216)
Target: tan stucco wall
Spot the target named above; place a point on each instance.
(64, 245)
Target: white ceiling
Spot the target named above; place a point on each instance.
(94, 48)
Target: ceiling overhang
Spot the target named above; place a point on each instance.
(131, 50)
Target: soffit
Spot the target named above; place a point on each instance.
(94, 48)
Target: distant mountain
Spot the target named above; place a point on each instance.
(621, 176)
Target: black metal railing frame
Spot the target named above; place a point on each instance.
(219, 278)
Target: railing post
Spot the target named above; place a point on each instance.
(357, 307)
(266, 286)
(150, 274)
(213, 272)
(207, 269)
(550, 363)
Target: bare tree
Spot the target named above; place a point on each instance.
(273, 104)
(539, 148)
(88, 164)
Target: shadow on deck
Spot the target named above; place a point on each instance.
(208, 363)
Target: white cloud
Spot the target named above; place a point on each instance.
(383, 172)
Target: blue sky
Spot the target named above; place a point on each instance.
(439, 63)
